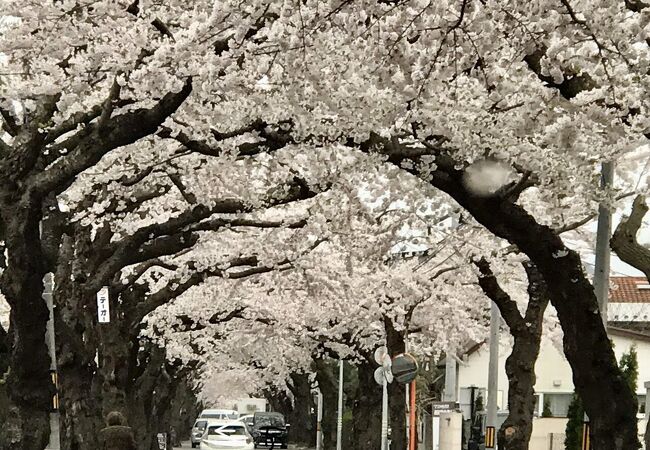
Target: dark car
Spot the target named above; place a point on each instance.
(269, 430)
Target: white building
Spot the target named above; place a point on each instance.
(554, 378)
(247, 406)
(629, 325)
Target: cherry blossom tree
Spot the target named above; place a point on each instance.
(445, 91)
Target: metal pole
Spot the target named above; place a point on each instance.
(319, 419)
(48, 286)
(493, 371)
(412, 423)
(450, 377)
(339, 423)
(384, 415)
(603, 235)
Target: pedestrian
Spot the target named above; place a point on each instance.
(117, 435)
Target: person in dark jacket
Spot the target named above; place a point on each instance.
(117, 435)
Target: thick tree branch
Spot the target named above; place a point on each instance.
(271, 139)
(538, 298)
(9, 122)
(189, 324)
(118, 131)
(491, 288)
(624, 241)
(139, 271)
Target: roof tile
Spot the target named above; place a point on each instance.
(626, 290)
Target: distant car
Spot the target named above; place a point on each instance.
(247, 420)
(269, 430)
(197, 431)
(221, 414)
(227, 435)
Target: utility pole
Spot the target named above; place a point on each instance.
(493, 376)
(319, 419)
(339, 422)
(450, 377)
(603, 235)
(48, 286)
(384, 415)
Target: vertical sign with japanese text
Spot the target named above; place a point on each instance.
(103, 310)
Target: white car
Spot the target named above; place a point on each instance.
(211, 416)
(226, 435)
(223, 414)
(197, 431)
(248, 419)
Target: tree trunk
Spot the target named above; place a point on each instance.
(149, 397)
(328, 387)
(29, 383)
(114, 343)
(302, 429)
(515, 432)
(526, 330)
(185, 409)
(366, 412)
(79, 400)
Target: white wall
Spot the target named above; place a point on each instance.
(545, 430)
(451, 431)
(552, 369)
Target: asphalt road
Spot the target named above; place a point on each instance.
(291, 447)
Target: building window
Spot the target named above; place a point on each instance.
(642, 405)
(559, 403)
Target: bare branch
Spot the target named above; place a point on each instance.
(624, 241)
(187, 195)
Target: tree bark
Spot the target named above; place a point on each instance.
(302, 429)
(366, 410)
(516, 430)
(624, 241)
(76, 343)
(30, 385)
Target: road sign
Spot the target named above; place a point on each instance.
(439, 407)
(490, 437)
(404, 368)
(103, 309)
(381, 354)
(381, 374)
(384, 372)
